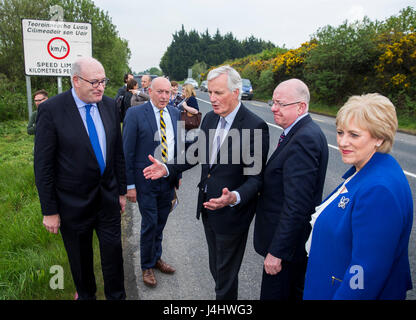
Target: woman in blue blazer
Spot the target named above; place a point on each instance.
(358, 248)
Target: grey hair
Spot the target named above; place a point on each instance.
(153, 81)
(76, 67)
(234, 79)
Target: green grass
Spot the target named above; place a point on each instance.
(406, 123)
(27, 250)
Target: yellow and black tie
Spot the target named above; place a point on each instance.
(163, 140)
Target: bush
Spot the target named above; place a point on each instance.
(13, 103)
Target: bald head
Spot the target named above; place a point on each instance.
(81, 63)
(290, 101)
(146, 81)
(159, 92)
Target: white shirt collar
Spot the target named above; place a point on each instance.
(80, 104)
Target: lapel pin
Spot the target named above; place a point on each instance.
(343, 202)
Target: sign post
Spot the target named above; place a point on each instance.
(29, 95)
(50, 47)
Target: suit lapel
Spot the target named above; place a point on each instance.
(105, 118)
(209, 122)
(174, 121)
(151, 118)
(77, 124)
(239, 117)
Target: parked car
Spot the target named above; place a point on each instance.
(191, 81)
(139, 78)
(247, 89)
(204, 86)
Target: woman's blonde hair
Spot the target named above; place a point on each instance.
(372, 112)
(188, 90)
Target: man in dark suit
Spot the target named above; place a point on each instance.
(230, 179)
(80, 176)
(293, 183)
(141, 125)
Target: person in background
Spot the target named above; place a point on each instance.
(154, 198)
(358, 248)
(175, 97)
(292, 186)
(122, 91)
(39, 97)
(131, 88)
(190, 104)
(142, 95)
(80, 177)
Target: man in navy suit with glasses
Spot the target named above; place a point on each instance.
(80, 176)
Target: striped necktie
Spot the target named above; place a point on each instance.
(92, 132)
(163, 139)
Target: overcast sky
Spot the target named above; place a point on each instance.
(148, 25)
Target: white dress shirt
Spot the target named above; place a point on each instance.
(95, 115)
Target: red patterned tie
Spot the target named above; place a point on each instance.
(282, 136)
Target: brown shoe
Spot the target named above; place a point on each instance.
(164, 267)
(149, 278)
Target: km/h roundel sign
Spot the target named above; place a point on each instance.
(51, 47)
(58, 48)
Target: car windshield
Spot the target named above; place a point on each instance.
(246, 83)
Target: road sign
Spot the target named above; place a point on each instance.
(50, 47)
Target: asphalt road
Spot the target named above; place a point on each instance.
(184, 244)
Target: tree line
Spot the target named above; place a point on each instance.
(111, 50)
(188, 48)
(337, 62)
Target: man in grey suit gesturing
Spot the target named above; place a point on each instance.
(292, 187)
(228, 188)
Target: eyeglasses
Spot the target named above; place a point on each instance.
(282, 105)
(39, 100)
(96, 83)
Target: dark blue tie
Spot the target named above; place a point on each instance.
(281, 138)
(94, 138)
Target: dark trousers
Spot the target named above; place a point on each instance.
(226, 253)
(287, 284)
(154, 209)
(78, 244)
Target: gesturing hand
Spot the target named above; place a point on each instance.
(272, 265)
(226, 199)
(155, 171)
(122, 201)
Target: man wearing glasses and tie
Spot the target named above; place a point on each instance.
(228, 187)
(80, 176)
(292, 187)
(142, 124)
